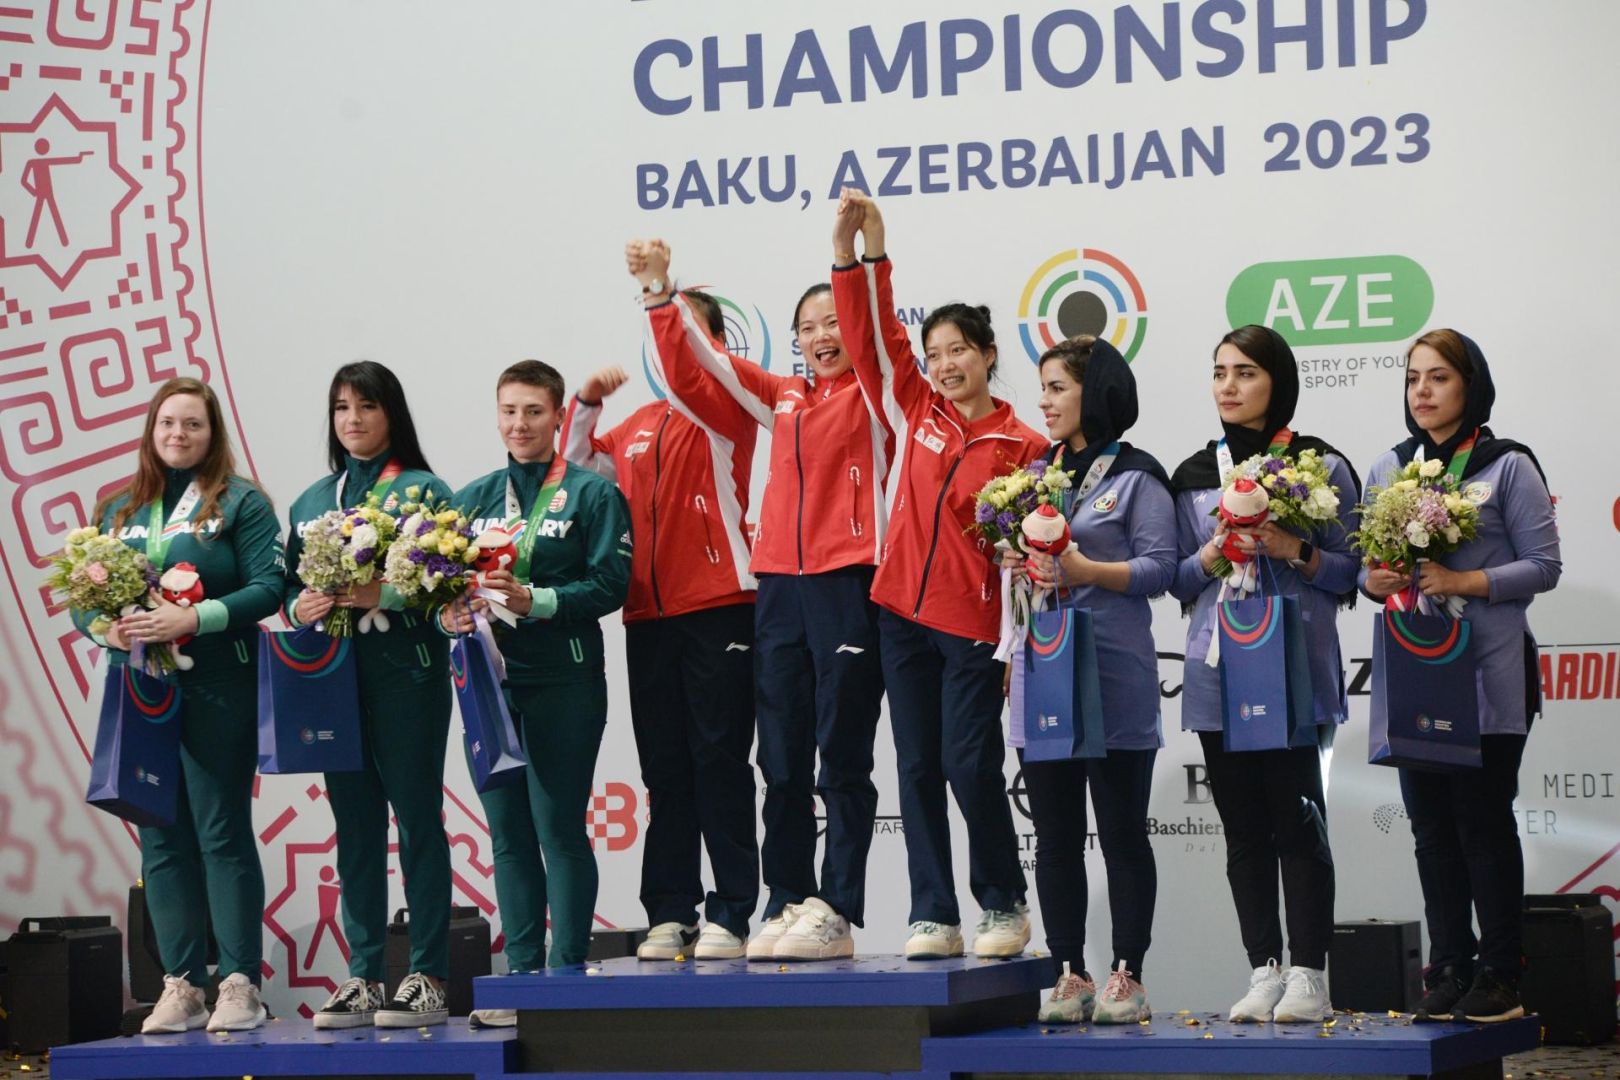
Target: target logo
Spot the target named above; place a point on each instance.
(1082, 291)
(747, 336)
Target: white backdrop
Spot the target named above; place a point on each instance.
(447, 188)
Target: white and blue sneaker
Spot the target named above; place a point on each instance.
(1002, 933)
(933, 940)
(666, 941)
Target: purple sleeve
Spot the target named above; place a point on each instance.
(1193, 528)
(1532, 532)
(1337, 571)
(1153, 531)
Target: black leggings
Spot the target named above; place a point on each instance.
(1120, 784)
(1468, 857)
(1275, 815)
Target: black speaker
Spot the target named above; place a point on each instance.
(67, 981)
(146, 965)
(617, 942)
(1569, 950)
(469, 955)
(1376, 965)
(5, 1000)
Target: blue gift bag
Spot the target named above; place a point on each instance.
(135, 773)
(1425, 711)
(494, 754)
(1062, 691)
(1265, 675)
(309, 703)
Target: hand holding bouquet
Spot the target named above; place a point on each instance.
(102, 576)
(1419, 515)
(343, 549)
(1008, 513)
(1294, 492)
(432, 561)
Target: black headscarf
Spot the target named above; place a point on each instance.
(1476, 410)
(1202, 470)
(1108, 408)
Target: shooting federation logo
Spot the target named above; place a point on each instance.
(748, 336)
(1082, 291)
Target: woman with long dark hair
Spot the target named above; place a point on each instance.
(186, 504)
(1271, 802)
(1469, 860)
(405, 717)
(1122, 521)
(938, 590)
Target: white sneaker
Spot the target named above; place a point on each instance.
(1002, 933)
(933, 941)
(238, 1007)
(1265, 990)
(180, 1008)
(762, 946)
(1123, 1000)
(718, 943)
(417, 1003)
(1070, 1001)
(819, 933)
(1305, 997)
(492, 1018)
(353, 1004)
(666, 941)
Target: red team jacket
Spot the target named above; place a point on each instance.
(686, 480)
(930, 570)
(823, 505)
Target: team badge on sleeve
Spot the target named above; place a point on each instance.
(1106, 501)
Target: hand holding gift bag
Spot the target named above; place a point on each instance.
(135, 771)
(1425, 712)
(476, 672)
(309, 703)
(1062, 690)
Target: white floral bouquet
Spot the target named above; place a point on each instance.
(1299, 494)
(99, 574)
(345, 548)
(1420, 514)
(432, 562)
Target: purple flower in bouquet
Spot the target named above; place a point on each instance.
(417, 555)
(984, 514)
(1006, 521)
(424, 528)
(364, 556)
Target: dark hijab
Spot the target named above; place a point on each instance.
(1476, 410)
(1108, 408)
(1266, 348)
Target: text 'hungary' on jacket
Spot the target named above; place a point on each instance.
(932, 570)
(823, 503)
(684, 468)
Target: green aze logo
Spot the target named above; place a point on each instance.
(1334, 301)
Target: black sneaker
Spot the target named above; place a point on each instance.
(417, 1003)
(354, 1004)
(1490, 1000)
(1443, 987)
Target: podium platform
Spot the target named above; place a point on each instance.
(293, 1048)
(837, 1018)
(963, 1019)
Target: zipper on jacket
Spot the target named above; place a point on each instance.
(658, 474)
(798, 461)
(933, 542)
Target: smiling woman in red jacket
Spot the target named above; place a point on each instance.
(817, 682)
(938, 589)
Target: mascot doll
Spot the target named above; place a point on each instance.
(182, 586)
(1244, 507)
(497, 550)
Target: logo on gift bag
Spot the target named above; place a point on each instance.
(318, 662)
(1440, 650)
(1248, 635)
(157, 701)
(306, 736)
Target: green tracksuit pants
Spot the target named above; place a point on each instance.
(542, 850)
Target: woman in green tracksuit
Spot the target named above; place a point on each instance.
(405, 718)
(186, 504)
(573, 567)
